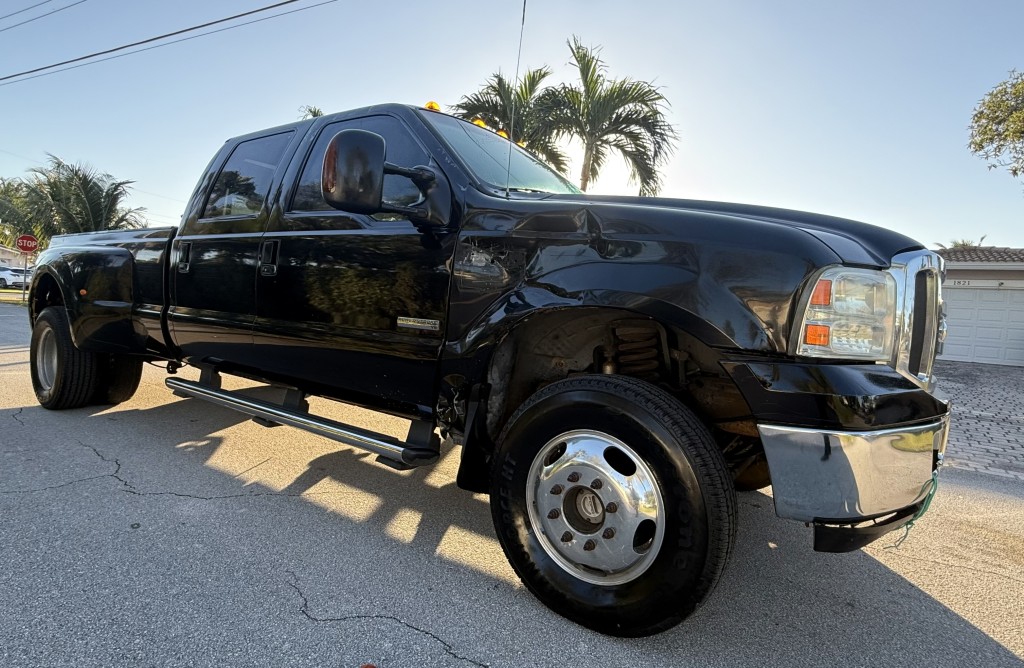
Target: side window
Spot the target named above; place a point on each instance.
(243, 183)
(401, 149)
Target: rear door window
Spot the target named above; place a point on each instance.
(243, 183)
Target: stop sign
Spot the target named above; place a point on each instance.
(27, 243)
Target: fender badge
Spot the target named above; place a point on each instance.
(419, 323)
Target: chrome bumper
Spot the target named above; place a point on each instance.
(827, 476)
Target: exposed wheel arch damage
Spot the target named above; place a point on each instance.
(556, 344)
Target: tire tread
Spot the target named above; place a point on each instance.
(76, 376)
(709, 465)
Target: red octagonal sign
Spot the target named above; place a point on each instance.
(27, 243)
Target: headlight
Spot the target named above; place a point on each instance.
(850, 314)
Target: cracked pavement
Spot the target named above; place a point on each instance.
(168, 532)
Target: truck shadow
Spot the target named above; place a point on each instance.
(779, 603)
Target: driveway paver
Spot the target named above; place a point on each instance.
(987, 433)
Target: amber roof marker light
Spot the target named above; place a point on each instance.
(432, 106)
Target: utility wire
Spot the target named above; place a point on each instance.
(41, 16)
(173, 199)
(157, 46)
(7, 16)
(145, 41)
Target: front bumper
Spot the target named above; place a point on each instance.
(851, 448)
(836, 477)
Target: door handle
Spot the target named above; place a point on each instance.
(268, 258)
(184, 256)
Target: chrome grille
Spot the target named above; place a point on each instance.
(918, 276)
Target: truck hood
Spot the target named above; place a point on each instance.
(855, 243)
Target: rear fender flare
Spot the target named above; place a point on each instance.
(96, 285)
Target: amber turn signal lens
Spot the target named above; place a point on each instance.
(816, 335)
(432, 106)
(822, 295)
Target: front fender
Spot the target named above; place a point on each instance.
(671, 295)
(96, 288)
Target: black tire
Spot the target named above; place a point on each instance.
(756, 476)
(118, 378)
(62, 375)
(3, 283)
(693, 504)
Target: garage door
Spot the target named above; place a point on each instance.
(985, 325)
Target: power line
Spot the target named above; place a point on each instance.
(145, 41)
(157, 46)
(7, 16)
(23, 157)
(173, 199)
(41, 16)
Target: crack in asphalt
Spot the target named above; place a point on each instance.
(45, 489)
(294, 584)
(16, 418)
(129, 488)
(115, 475)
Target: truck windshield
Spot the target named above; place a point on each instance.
(486, 154)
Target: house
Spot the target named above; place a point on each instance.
(984, 296)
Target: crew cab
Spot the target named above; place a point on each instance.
(613, 368)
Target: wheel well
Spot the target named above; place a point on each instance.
(551, 346)
(45, 293)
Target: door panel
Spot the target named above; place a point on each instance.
(330, 316)
(356, 305)
(213, 273)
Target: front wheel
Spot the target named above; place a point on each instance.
(613, 504)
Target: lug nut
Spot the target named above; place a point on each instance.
(597, 484)
(589, 545)
(608, 534)
(553, 515)
(574, 477)
(566, 537)
(611, 507)
(557, 489)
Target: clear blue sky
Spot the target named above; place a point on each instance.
(857, 109)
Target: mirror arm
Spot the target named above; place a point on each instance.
(411, 212)
(421, 176)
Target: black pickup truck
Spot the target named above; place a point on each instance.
(614, 368)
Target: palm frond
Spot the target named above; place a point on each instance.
(623, 115)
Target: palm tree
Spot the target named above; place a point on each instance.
(12, 223)
(309, 111)
(963, 243)
(622, 115)
(64, 198)
(524, 110)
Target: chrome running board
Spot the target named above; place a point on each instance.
(396, 453)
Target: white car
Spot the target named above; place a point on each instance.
(14, 277)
